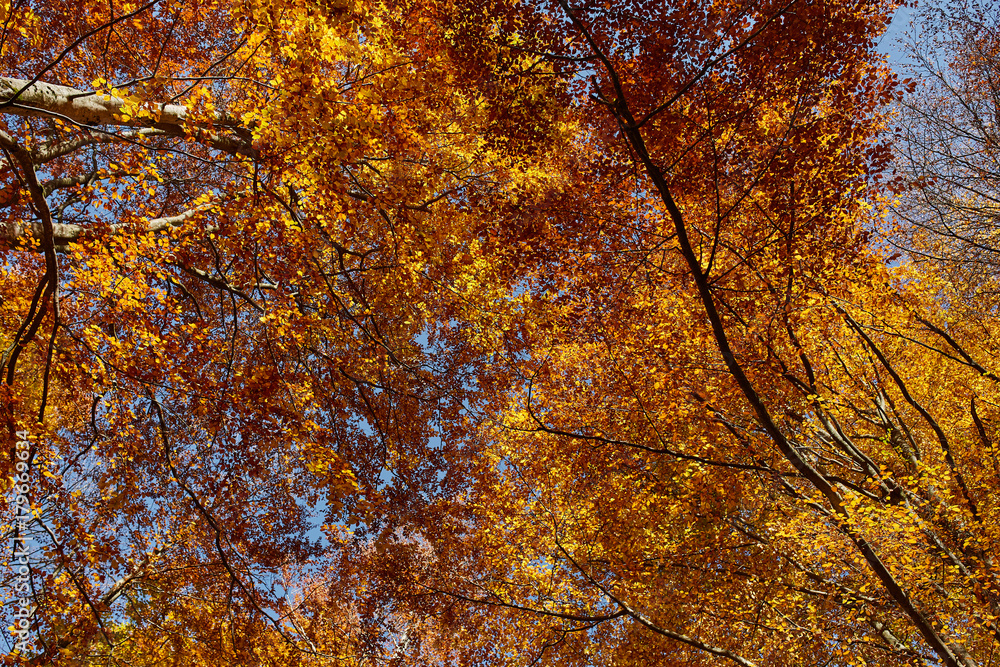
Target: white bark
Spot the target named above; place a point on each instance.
(92, 109)
(44, 99)
(14, 235)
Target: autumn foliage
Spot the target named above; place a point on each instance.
(428, 332)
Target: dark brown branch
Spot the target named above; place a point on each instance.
(658, 629)
(623, 115)
(938, 431)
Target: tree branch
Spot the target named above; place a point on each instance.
(90, 109)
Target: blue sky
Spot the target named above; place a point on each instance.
(890, 42)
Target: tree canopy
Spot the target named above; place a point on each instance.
(486, 332)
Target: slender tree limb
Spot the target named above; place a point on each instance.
(938, 431)
(51, 151)
(958, 348)
(50, 280)
(651, 625)
(20, 235)
(221, 284)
